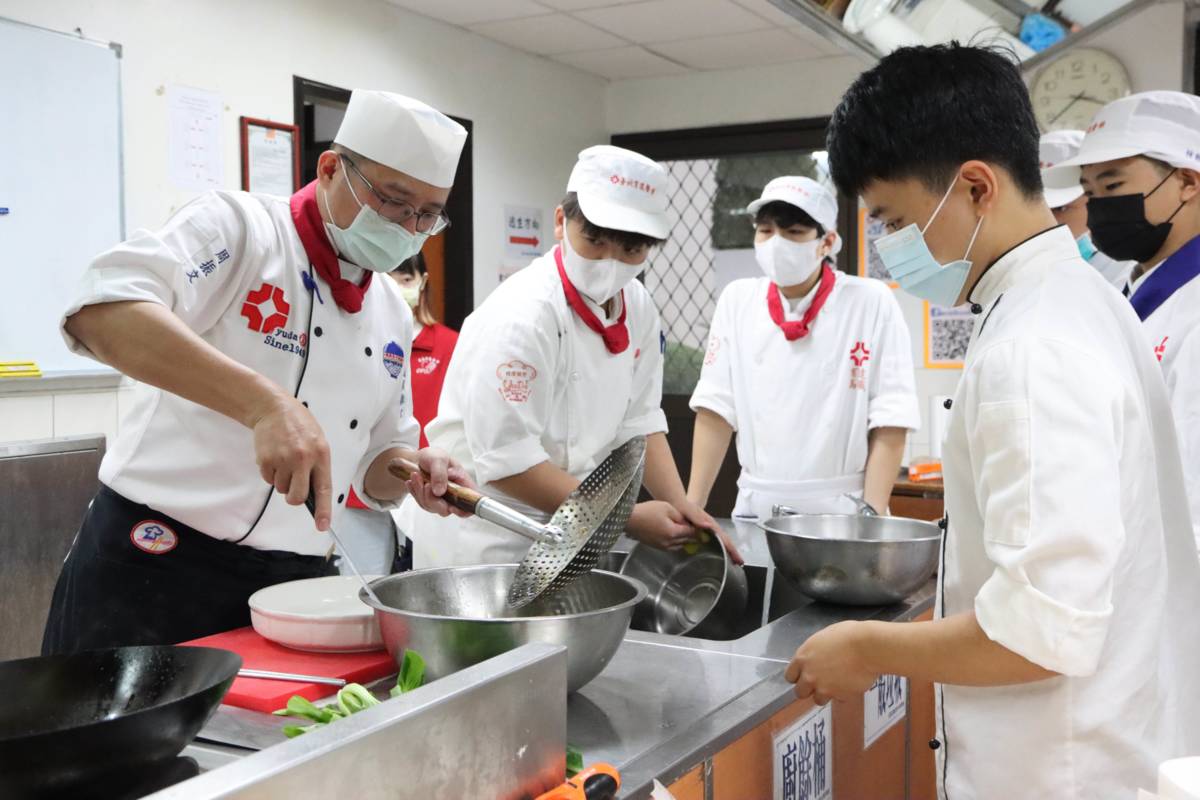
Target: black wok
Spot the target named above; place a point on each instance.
(83, 725)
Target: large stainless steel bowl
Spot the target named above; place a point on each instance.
(458, 616)
(853, 559)
(701, 593)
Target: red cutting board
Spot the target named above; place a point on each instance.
(258, 694)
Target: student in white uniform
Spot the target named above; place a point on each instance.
(1066, 640)
(275, 364)
(811, 367)
(1069, 204)
(1140, 166)
(560, 365)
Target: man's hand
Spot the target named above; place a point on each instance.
(441, 469)
(293, 456)
(660, 525)
(831, 664)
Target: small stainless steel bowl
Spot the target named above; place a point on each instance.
(459, 616)
(703, 594)
(853, 559)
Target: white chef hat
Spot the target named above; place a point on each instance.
(813, 198)
(404, 134)
(1161, 125)
(1061, 184)
(621, 190)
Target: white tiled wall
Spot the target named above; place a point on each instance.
(43, 416)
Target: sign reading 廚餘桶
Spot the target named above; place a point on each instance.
(803, 758)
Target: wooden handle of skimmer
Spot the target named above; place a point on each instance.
(460, 497)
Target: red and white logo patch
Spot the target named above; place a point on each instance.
(516, 380)
(859, 356)
(714, 346)
(266, 309)
(153, 537)
(1161, 350)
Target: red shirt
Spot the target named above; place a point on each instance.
(430, 358)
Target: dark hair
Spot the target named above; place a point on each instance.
(922, 111)
(785, 215)
(626, 239)
(416, 266)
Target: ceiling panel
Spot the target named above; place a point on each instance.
(768, 11)
(622, 62)
(469, 12)
(668, 20)
(578, 5)
(774, 46)
(549, 34)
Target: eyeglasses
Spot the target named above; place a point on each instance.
(400, 212)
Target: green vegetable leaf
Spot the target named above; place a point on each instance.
(412, 673)
(574, 761)
(292, 731)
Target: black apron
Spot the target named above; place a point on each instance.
(135, 576)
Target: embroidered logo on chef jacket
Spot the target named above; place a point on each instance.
(393, 359)
(714, 346)
(266, 309)
(859, 356)
(516, 380)
(153, 537)
(426, 365)
(1161, 349)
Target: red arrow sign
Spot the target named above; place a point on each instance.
(532, 241)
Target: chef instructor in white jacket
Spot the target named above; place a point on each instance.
(559, 366)
(1066, 639)
(276, 365)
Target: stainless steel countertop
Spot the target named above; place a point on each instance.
(664, 703)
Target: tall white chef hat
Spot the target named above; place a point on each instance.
(404, 134)
(622, 190)
(813, 198)
(1060, 184)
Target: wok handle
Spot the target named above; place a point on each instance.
(460, 497)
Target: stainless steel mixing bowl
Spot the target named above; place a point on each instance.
(701, 593)
(458, 616)
(853, 559)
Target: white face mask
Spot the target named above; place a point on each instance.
(411, 294)
(785, 262)
(599, 280)
(371, 242)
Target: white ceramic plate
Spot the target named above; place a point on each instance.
(321, 615)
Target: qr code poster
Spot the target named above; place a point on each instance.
(804, 758)
(869, 263)
(947, 334)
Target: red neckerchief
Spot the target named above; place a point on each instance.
(616, 336)
(307, 217)
(798, 329)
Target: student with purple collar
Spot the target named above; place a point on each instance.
(1140, 168)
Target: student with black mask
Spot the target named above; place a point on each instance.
(1140, 169)
(1065, 640)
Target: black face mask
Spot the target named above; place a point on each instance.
(1120, 229)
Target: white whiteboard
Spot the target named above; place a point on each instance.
(60, 178)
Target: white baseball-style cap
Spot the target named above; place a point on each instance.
(1060, 184)
(404, 134)
(1161, 125)
(813, 198)
(621, 190)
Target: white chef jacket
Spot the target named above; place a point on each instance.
(1115, 272)
(1174, 332)
(1069, 537)
(802, 410)
(530, 382)
(232, 267)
